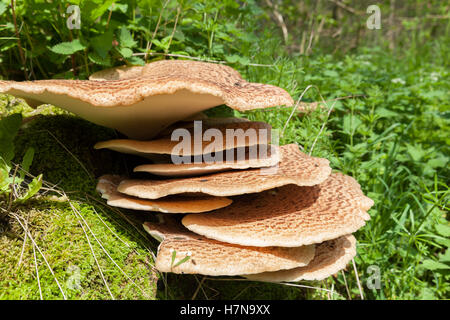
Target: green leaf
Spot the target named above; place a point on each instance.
(125, 52)
(385, 113)
(95, 8)
(136, 61)
(416, 152)
(181, 261)
(434, 265)
(33, 188)
(66, 48)
(27, 159)
(443, 241)
(351, 123)
(3, 8)
(4, 176)
(437, 163)
(446, 256)
(95, 58)
(103, 44)
(174, 255)
(125, 38)
(9, 127)
(232, 59)
(331, 73)
(26, 162)
(443, 230)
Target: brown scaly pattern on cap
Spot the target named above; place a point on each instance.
(214, 258)
(290, 216)
(257, 133)
(118, 73)
(107, 186)
(163, 77)
(331, 257)
(295, 167)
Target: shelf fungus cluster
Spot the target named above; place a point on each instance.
(229, 202)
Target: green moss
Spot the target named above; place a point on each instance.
(66, 158)
(58, 231)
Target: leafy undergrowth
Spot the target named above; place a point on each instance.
(390, 132)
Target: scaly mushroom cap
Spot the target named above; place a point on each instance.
(107, 186)
(117, 73)
(195, 169)
(214, 258)
(295, 167)
(246, 133)
(167, 91)
(331, 257)
(290, 216)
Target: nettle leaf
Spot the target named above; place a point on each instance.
(66, 48)
(125, 38)
(351, 123)
(416, 152)
(97, 59)
(125, 52)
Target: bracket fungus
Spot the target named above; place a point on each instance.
(331, 256)
(288, 217)
(211, 257)
(195, 139)
(294, 168)
(107, 186)
(196, 169)
(164, 92)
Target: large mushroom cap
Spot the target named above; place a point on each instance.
(241, 134)
(290, 216)
(331, 257)
(214, 258)
(166, 92)
(295, 167)
(107, 186)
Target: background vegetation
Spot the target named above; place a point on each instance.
(386, 122)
